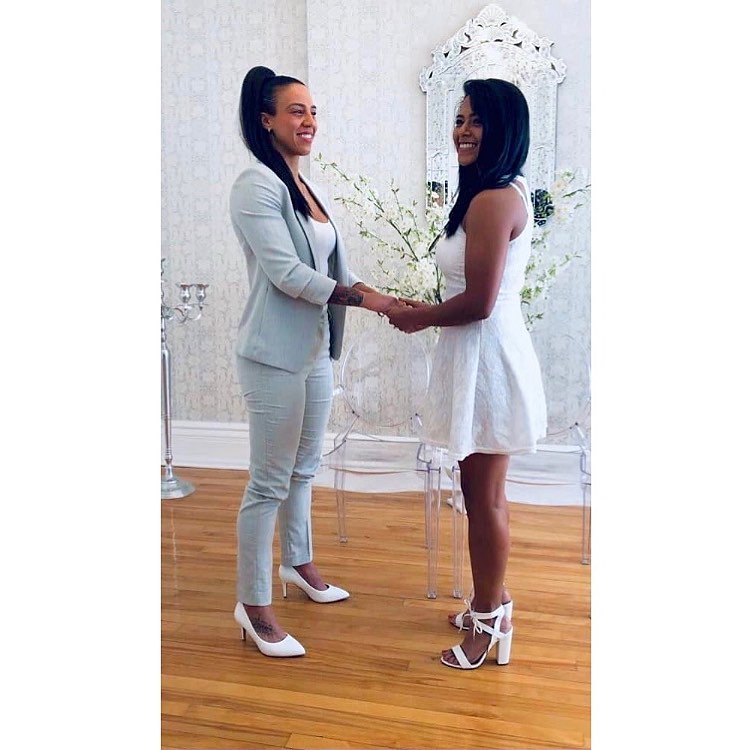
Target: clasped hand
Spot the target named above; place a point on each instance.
(400, 311)
(403, 314)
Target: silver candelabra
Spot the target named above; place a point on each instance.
(172, 486)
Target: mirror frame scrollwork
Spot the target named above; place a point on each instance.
(492, 45)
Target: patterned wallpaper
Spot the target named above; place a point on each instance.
(208, 46)
(361, 59)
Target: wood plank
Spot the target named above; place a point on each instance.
(371, 676)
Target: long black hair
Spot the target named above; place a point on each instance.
(504, 114)
(258, 96)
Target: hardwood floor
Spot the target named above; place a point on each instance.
(371, 677)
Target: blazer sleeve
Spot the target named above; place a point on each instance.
(256, 207)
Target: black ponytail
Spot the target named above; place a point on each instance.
(258, 96)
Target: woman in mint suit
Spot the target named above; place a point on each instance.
(291, 328)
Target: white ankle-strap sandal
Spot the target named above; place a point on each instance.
(462, 621)
(497, 638)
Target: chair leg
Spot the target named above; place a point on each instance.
(458, 529)
(432, 526)
(427, 517)
(586, 524)
(338, 483)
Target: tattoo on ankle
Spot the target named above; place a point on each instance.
(261, 628)
(344, 295)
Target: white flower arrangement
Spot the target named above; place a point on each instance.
(406, 236)
(552, 210)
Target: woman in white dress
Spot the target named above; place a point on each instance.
(486, 399)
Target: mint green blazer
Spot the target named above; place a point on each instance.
(287, 292)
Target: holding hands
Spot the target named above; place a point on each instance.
(379, 303)
(406, 315)
(402, 313)
(372, 299)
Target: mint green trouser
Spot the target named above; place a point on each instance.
(288, 413)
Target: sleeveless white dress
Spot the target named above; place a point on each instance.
(486, 393)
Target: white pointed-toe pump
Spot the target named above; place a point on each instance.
(328, 594)
(288, 647)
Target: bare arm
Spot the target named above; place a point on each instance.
(361, 295)
(346, 295)
(492, 219)
(363, 287)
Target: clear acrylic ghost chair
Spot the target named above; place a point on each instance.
(563, 456)
(585, 478)
(574, 425)
(383, 381)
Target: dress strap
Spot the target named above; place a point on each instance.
(522, 193)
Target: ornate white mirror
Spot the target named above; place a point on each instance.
(492, 45)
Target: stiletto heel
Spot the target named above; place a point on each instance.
(497, 639)
(287, 647)
(329, 594)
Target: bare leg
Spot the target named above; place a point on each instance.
(483, 485)
(505, 594)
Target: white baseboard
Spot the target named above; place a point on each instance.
(225, 445)
(209, 445)
(214, 445)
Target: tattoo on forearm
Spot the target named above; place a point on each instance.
(344, 295)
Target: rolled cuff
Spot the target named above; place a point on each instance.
(319, 289)
(354, 279)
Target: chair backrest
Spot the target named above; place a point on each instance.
(385, 380)
(559, 469)
(571, 369)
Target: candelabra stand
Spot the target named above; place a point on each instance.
(172, 486)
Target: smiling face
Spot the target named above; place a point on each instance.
(293, 126)
(467, 134)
